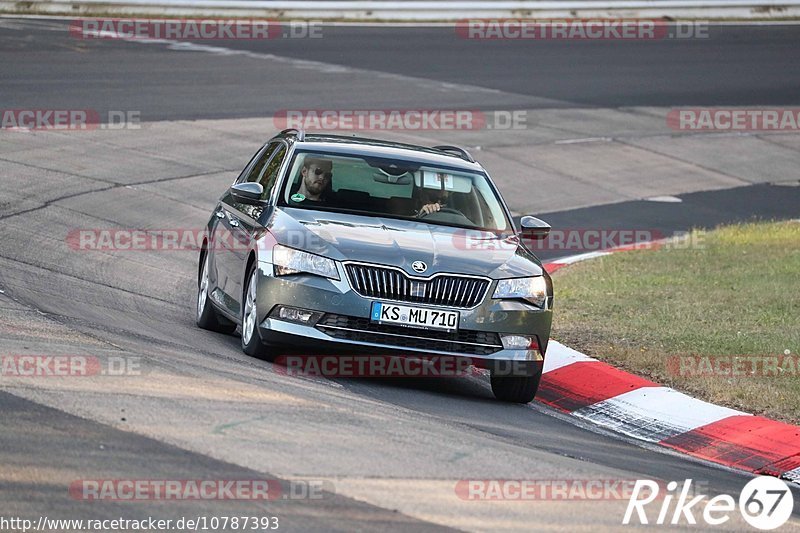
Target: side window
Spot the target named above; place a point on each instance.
(270, 174)
(243, 174)
(255, 170)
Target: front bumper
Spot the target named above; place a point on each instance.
(344, 325)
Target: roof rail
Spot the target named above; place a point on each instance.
(463, 154)
(301, 134)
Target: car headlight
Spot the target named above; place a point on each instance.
(533, 290)
(291, 261)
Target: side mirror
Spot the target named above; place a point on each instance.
(247, 193)
(534, 228)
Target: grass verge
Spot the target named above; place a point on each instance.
(719, 320)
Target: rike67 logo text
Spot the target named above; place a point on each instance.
(765, 503)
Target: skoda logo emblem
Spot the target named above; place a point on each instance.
(419, 266)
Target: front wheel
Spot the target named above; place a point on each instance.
(515, 389)
(251, 337)
(206, 316)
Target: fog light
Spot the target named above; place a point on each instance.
(530, 343)
(519, 342)
(294, 314)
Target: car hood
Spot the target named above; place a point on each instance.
(389, 241)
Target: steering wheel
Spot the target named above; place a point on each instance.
(448, 215)
(443, 210)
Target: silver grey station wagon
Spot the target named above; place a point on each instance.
(345, 245)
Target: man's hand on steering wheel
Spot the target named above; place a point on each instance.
(444, 210)
(427, 209)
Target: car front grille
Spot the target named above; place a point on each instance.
(390, 284)
(363, 330)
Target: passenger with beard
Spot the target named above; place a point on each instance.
(315, 184)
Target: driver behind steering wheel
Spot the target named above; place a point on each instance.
(431, 201)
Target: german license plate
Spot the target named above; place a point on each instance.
(418, 317)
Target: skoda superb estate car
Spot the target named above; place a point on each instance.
(343, 245)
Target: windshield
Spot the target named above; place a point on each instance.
(393, 188)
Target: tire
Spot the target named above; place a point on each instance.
(515, 389)
(252, 344)
(206, 316)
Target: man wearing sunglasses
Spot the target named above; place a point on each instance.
(316, 180)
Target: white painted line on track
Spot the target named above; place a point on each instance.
(665, 199)
(793, 475)
(584, 140)
(580, 257)
(654, 413)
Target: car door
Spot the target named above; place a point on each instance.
(239, 222)
(226, 235)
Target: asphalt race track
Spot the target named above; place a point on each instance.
(595, 152)
(735, 65)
